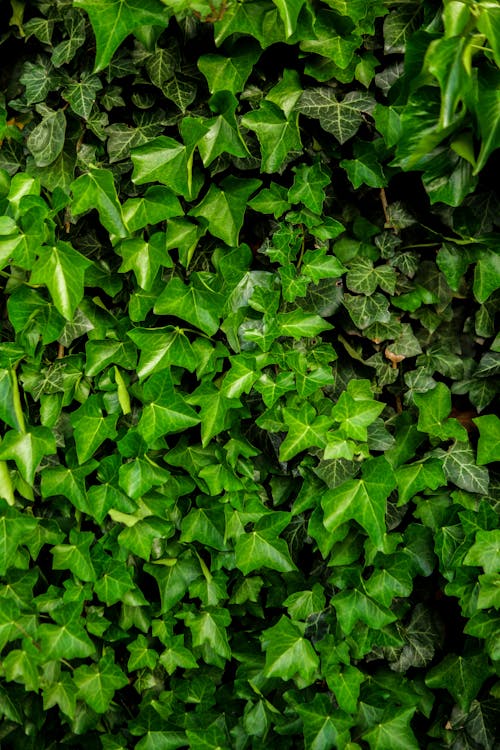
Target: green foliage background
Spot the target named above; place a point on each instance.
(249, 374)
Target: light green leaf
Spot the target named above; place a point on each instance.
(164, 160)
(485, 551)
(27, 449)
(166, 411)
(91, 428)
(488, 446)
(75, 556)
(308, 186)
(222, 134)
(362, 500)
(96, 189)
(61, 693)
(66, 641)
(208, 628)
(62, 270)
(305, 430)
(262, 549)
(288, 654)
(113, 20)
(434, 408)
(157, 204)
(162, 347)
(278, 134)
(195, 302)
(230, 73)
(298, 324)
(418, 476)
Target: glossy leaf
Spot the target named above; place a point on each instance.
(114, 20)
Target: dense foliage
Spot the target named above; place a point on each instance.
(249, 374)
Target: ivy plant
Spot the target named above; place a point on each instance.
(249, 369)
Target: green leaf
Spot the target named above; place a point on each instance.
(354, 606)
(97, 683)
(462, 676)
(224, 207)
(96, 189)
(322, 723)
(162, 347)
(195, 302)
(488, 113)
(91, 428)
(46, 140)
(298, 324)
(434, 409)
(418, 476)
(208, 629)
(174, 577)
(81, 94)
(365, 311)
(62, 270)
(14, 529)
(260, 20)
(75, 556)
(230, 73)
(460, 468)
(222, 134)
(341, 118)
(215, 412)
(399, 25)
(166, 411)
(262, 549)
(278, 134)
(164, 160)
(305, 430)
(288, 654)
(394, 733)
(363, 500)
(113, 20)
(114, 582)
(355, 413)
(308, 186)
(66, 641)
(363, 277)
(486, 276)
(488, 446)
(27, 449)
(485, 551)
(100, 354)
(157, 204)
(61, 693)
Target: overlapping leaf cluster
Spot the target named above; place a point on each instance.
(249, 374)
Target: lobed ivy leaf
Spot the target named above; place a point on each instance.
(224, 207)
(341, 118)
(363, 500)
(288, 654)
(278, 134)
(113, 20)
(96, 189)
